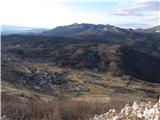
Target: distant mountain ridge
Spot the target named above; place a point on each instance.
(98, 32)
(85, 28)
(82, 29)
(155, 29)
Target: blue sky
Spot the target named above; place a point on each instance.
(52, 13)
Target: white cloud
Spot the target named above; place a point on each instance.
(142, 11)
(137, 8)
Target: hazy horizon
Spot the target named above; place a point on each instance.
(31, 27)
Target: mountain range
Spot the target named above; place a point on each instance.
(74, 30)
(76, 58)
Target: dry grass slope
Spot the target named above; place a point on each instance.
(16, 108)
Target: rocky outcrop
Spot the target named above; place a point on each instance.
(43, 80)
(138, 111)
